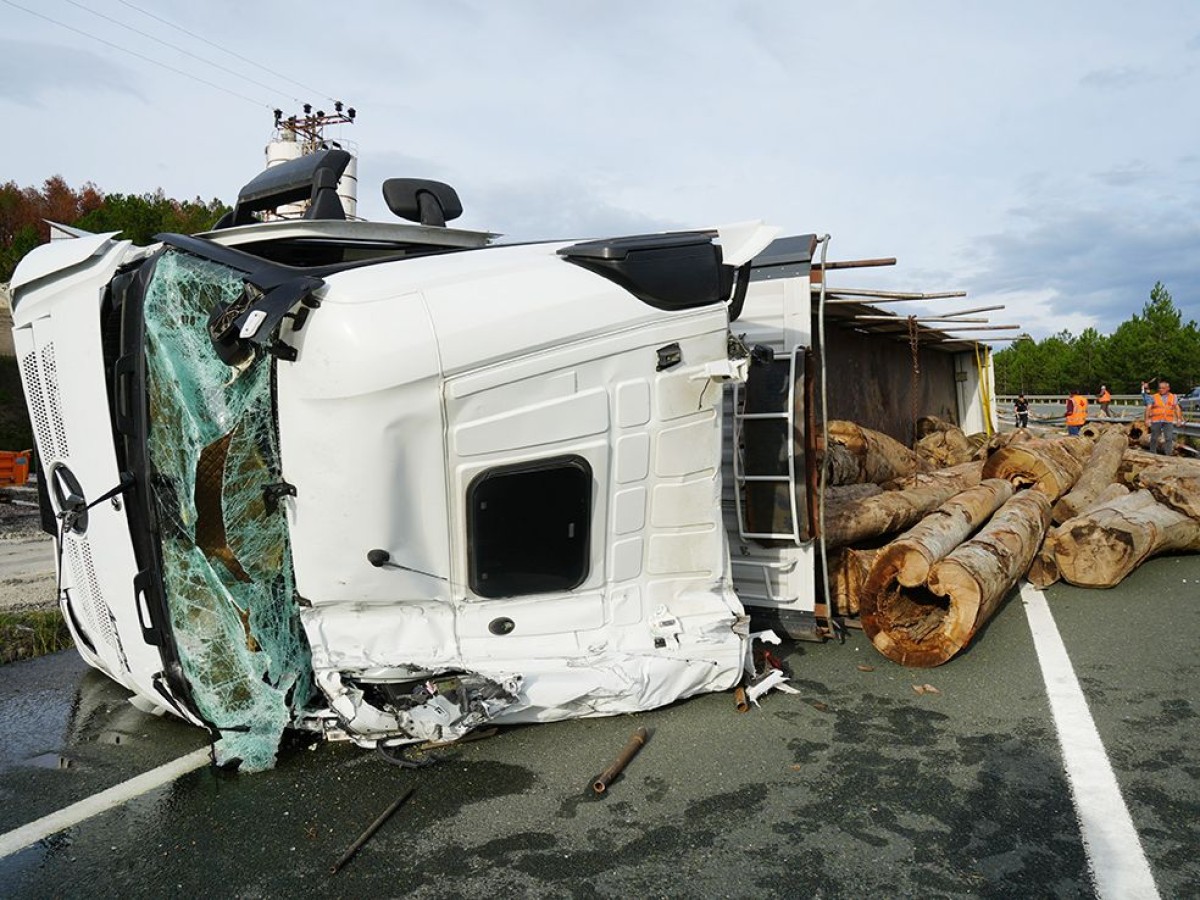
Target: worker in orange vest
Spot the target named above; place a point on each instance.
(1104, 399)
(1076, 412)
(1162, 415)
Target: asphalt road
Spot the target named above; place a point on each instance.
(856, 787)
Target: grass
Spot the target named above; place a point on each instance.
(24, 635)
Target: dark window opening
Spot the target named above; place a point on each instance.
(528, 527)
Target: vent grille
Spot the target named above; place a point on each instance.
(95, 611)
(54, 398)
(37, 403)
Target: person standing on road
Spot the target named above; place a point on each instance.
(1021, 410)
(1162, 415)
(1104, 399)
(1076, 412)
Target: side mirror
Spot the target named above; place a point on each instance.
(419, 200)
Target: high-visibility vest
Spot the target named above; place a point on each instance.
(1105, 396)
(1078, 413)
(1161, 411)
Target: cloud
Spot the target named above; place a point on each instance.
(1126, 174)
(31, 73)
(1116, 78)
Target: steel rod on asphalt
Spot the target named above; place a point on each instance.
(371, 829)
(601, 782)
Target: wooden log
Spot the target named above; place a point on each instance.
(927, 425)
(1099, 472)
(1100, 548)
(927, 625)
(1050, 467)
(1177, 486)
(856, 454)
(848, 493)
(885, 513)
(948, 447)
(848, 570)
(909, 558)
(959, 477)
(1136, 461)
(1002, 439)
(1043, 571)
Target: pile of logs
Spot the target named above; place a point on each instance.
(925, 544)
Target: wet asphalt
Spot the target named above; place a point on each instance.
(856, 787)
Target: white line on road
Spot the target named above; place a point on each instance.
(1114, 851)
(20, 838)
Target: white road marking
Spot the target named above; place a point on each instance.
(1118, 863)
(20, 838)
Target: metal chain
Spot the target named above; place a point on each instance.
(914, 344)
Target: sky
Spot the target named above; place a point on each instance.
(1039, 155)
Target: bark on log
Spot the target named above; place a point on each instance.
(1177, 486)
(949, 447)
(959, 477)
(1134, 462)
(927, 625)
(909, 558)
(1002, 439)
(927, 425)
(856, 454)
(1099, 472)
(1049, 466)
(1043, 572)
(847, 493)
(848, 570)
(849, 523)
(1102, 547)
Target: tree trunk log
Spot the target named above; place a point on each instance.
(848, 569)
(1051, 467)
(1043, 572)
(859, 520)
(1099, 472)
(959, 477)
(925, 626)
(948, 447)
(909, 558)
(1100, 548)
(1178, 486)
(848, 493)
(856, 454)
(927, 425)
(1002, 439)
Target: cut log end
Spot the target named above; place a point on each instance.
(914, 626)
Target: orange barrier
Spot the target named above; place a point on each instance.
(14, 466)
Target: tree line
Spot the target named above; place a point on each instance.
(1155, 343)
(24, 211)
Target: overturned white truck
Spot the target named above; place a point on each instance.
(395, 481)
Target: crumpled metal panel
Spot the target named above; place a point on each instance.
(227, 568)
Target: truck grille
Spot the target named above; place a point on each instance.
(45, 403)
(87, 591)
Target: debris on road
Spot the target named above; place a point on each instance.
(601, 782)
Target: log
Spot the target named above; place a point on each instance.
(959, 477)
(1100, 548)
(890, 511)
(848, 570)
(1099, 472)
(1043, 572)
(927, 425)
(1002, 439)
(909, 558)
(927, 625)
(856, 454)
(1177, 486)
(1135, 461)
(847, 493)
(1050, 467)
(948, 447)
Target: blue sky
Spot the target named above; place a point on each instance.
(1044, 156)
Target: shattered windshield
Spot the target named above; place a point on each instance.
(227, 569)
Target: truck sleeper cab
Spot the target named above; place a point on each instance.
(388, 482)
